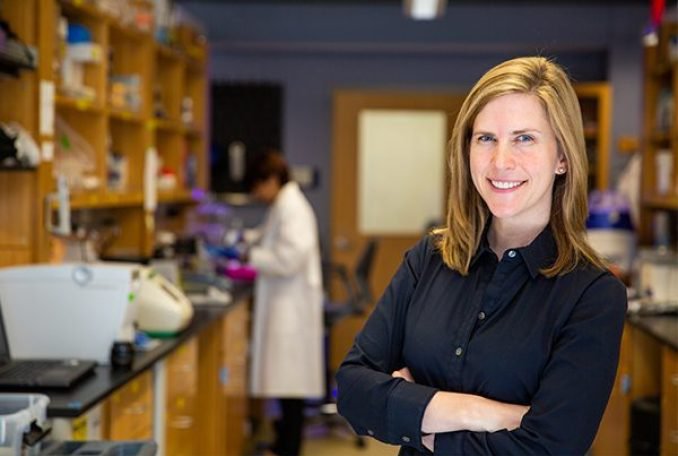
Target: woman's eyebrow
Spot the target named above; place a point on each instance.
(525, 130)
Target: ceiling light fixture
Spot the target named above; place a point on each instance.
(424, 9)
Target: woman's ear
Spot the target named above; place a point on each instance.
(561, 167)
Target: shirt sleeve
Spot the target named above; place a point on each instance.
(296, 239)
(576, 383)
(374, 403)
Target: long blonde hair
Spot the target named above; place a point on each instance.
(467, 213)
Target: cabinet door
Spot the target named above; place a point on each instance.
(613, 433)
(182, 386)
(234, 352)
(131, 410)
(669, 404)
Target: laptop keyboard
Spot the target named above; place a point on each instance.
(27, 372)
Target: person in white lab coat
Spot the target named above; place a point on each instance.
(287, 346)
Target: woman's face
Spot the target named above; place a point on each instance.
(514, 159)
(266, 190)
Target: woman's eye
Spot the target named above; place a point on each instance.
(484, 139)
(524, 139)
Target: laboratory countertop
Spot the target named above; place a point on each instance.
(662, 327)
(92, 390)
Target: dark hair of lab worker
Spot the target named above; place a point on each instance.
(267, 175)
(500, 331)
(287, 345)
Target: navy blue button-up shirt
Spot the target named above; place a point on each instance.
(505, 332)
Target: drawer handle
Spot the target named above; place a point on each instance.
(182, 422)
(136, 409)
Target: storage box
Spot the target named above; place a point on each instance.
(17, 412)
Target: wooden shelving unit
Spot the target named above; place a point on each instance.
(169, 115)
(205, 415)
(22, 237)
(595, 99)
(642, 373)
(660, 134)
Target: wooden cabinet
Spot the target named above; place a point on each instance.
(234, 359)
(182, 400)
(222, 383)
(595, 99)
(660, 145)
(613, 433)
(647, 368)
(669, 402)
(129, 414)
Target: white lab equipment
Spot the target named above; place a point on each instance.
(163, 309)
(609, 229)
(76, 310)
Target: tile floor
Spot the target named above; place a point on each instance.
(333, 437)
(336, 445)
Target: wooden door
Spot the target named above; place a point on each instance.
(347, 238)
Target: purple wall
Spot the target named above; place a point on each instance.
(314, 50)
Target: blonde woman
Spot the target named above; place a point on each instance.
(500, 332)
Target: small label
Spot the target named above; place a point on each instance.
(47, 151)
(82, 104)
(79, 430)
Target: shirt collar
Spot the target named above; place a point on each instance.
(539, 254)
(484, 246)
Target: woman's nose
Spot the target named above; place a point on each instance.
(503, 156)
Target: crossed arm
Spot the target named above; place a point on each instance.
(449, 412)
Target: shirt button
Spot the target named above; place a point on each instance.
(481, 315)
(405, 439)
(370, 432)
(458, 351)
(512, 253)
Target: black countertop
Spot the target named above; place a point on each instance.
(664, 327)
(92, 390)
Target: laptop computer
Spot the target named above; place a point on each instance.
(38, 374)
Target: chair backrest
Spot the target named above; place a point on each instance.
(362, 274)
(355, 284)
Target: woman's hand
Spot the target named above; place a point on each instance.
(428, 440)
(403, 373)
(449, 412)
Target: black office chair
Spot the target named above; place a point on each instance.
(358, 299)
(356, 286)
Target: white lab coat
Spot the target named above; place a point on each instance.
(287, 347)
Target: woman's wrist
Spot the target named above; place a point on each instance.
(448, 412)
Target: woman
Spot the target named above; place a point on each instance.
(499, 333)
(287, 351)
